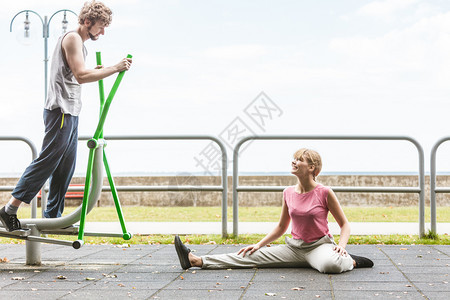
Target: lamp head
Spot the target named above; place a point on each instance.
(64, 23)
(27, 26)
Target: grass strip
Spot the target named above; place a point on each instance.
(247, 214)
(246, 239)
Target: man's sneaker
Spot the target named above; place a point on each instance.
(10, 222)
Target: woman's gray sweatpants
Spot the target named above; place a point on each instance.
(294, 254)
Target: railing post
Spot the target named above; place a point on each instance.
(433, 174)
(422, 188)
(225, 190)
(236, 184)
(433, 188)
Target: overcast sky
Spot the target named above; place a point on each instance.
(346, 67)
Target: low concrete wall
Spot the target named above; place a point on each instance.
(257, 198)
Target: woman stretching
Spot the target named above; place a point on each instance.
(307, 204)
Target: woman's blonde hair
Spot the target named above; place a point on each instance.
(95, 11)
(312, 158)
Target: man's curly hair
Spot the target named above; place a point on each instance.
(95, 11)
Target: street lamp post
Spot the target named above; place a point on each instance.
(33, 248)
(45, 34)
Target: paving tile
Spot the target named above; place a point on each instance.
(387, 286)
(312, 285)
(244, 275)
(108, 294)
(437, 295)
(198, 294)
(126, 285)
(52, 285)
(424, 269)
(150, 268)
(444, 249)
(207, 285)
(138, 277)
(379, 295)
(287, 294)
(376, 274)
(432, 286)
(28, 294)
(424, 277)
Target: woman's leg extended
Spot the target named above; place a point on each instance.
(281, 256)
(324, 259)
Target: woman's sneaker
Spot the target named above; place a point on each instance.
(362, 262)
(183, 253)
(10, 222)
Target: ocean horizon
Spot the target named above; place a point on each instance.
(187, 173)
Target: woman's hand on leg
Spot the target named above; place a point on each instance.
(340, 250)
(249, 249)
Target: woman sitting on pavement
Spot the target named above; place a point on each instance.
(307, 204)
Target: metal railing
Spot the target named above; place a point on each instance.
(433, 189)
(236, 188)
(34, 154)
(420, 189)
(174, 188)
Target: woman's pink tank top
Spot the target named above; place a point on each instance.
(308, 212)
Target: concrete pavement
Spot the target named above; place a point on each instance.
(153, 272)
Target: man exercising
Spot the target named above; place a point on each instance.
(57, 158)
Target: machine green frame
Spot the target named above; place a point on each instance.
(93, 144)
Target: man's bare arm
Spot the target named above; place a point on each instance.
(73, 49)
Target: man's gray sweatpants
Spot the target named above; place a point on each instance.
(294, 254)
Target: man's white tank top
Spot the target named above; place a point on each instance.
(64, 91)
